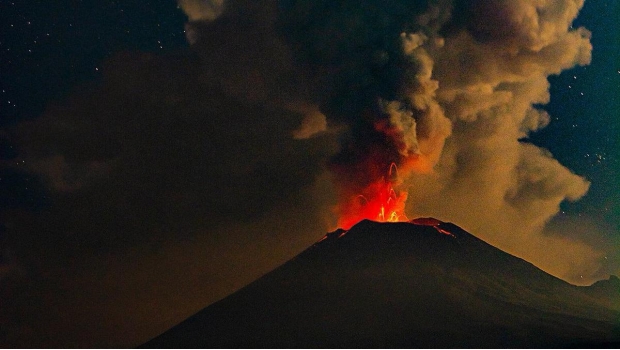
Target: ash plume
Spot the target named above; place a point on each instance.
(448, 91)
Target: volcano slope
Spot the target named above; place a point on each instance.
(405, 285)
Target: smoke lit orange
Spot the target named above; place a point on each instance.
(378, 202)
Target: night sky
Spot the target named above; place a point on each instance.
(130, 65)
(584, 132)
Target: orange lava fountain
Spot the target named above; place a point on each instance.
(378, 202)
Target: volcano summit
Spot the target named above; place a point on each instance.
(423, 283)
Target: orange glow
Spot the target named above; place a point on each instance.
(379, 202)
(426, 222)
(445, 232)
(434, 223)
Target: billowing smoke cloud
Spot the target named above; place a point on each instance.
(405, 77)
(377, 80)
(399, 79)
(492, 74)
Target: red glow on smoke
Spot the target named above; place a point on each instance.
(370, 170)
(378, 202)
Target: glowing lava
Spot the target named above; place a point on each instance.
(379, 202)
(432, 222)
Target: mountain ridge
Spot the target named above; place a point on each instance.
(401, 285)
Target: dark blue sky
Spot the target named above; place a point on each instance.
(584, 133)
(50, 46)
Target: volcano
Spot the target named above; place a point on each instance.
(423, 283)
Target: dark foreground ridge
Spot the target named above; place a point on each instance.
(420, 284)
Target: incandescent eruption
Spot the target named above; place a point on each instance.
(179, 176)
(379, 77)
(378, 201)
(446, 90)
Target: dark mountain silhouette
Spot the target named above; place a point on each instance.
(420, 284)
